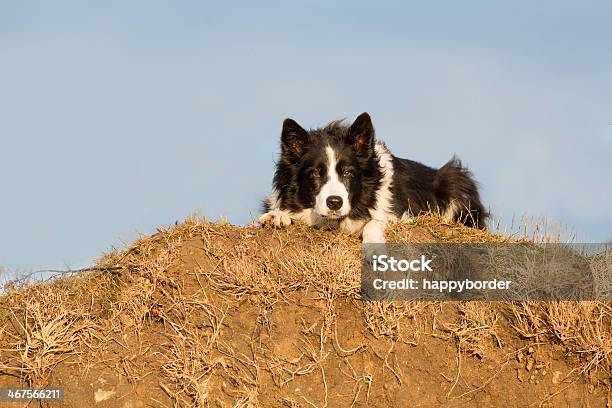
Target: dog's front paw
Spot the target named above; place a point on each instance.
(374, 232)
(275, 218)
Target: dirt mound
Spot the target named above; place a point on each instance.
(205, 314)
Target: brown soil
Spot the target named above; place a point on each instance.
(205, 314)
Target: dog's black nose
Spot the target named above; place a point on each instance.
(334, 202)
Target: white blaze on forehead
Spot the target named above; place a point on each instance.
(332, 187)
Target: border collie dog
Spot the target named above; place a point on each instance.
(341, 176)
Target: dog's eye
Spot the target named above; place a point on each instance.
(315, 173)
(347, 173)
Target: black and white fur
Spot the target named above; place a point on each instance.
(340, 176)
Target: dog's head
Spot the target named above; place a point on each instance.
(330, 164)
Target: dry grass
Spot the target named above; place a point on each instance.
(40, 329)
(582, 328)
(477, 328)
(241, 316)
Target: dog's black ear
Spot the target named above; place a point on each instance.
(293, 139)
(361, 134)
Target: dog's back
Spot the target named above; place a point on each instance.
(449, 190)
(454, 186)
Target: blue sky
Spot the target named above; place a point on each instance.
(117, 117)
